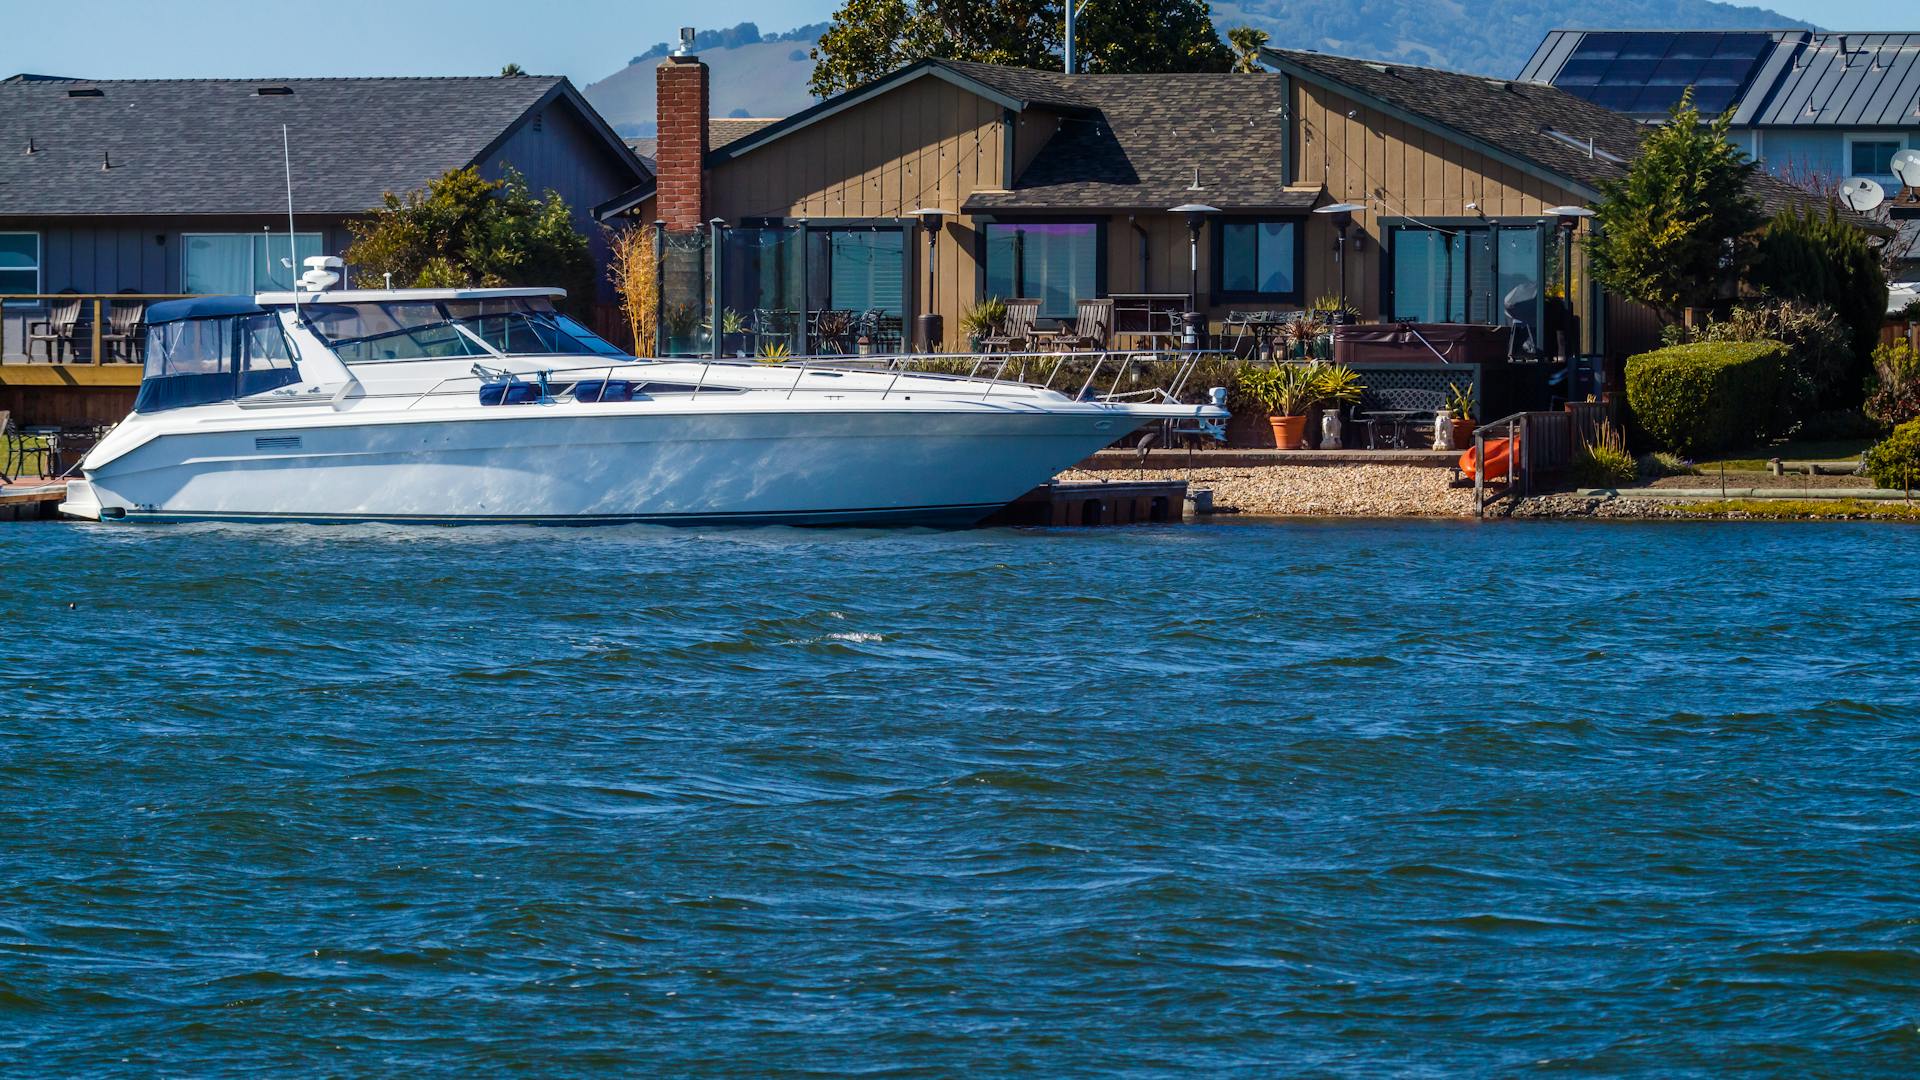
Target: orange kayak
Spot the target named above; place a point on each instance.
(1498, 453)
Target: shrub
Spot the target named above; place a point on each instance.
(1659, 463)
(1894, 390)
(1822, 258)
(1819, 364)
(1894, 462)
(1605, 462)
(1696, 399)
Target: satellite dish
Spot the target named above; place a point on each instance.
(1862, 194)
(1906, 166)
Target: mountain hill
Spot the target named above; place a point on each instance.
(753, 75)
(766, 75)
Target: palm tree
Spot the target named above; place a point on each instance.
(1246, 48)
(514, 69)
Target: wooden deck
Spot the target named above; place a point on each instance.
(31, 498)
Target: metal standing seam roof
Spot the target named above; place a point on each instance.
(1848, 80)
(213, 146)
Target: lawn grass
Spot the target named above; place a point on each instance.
(1825, 450)
(1802, 509)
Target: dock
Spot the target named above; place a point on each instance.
(31, 499)
(1098, 502)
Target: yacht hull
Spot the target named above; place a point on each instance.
(538, 464)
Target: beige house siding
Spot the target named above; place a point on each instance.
(1363, 155)
(926, 144)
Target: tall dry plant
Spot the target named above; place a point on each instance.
(635, 273)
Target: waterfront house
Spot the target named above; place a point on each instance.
(1063, 187)
(180, 185)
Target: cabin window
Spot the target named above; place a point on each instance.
(264, 355)
(243, 263)
(1256, 260)
(19, 262)
(448, 329)
(1872, 155)
(189, 362)
(1057, 263)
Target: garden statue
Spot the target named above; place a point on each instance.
(1330, 430)
(1443, 433)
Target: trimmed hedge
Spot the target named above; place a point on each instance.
(1895, 461)
(1701, 398)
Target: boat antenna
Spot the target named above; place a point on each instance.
(293, 250)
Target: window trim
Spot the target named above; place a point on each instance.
(1216, 238)
(186, 248)
(1100, 230)
(1899, 139)
(39, 263)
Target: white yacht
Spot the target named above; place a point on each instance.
(487, 405)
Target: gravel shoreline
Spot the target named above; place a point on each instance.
(1404, 491)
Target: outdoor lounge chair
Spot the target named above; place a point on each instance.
(1091, 329)
(59, 329)
(1016, 330)
(126, 323)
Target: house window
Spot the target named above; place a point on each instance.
(1256, 260)
(1472, 273)
(244, 263)
(857, 269)
(19, 263)
(1057, 263)
(1872, 155)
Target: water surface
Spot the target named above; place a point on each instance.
(1256, 798)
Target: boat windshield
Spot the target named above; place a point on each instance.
(388, 330)
(200, 360)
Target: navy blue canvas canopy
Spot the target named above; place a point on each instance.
(202, 307)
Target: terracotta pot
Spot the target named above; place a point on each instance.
(1288, 431)
(1463, 433)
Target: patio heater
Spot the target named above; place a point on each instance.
(1342, 217)
(1196, 217)
(928, 328)
(1569, 222)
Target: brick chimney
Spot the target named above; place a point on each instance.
(680, 157)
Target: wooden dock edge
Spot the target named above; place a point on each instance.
(1097, 502)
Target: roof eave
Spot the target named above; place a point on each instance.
(1425, 123)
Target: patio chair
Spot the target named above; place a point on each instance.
(126, 324)
(58, 330)
(1092, 329)
(1016, 330)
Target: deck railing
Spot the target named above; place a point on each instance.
(1537, 442)
(84, 341)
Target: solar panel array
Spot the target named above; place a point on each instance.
(1644, 73)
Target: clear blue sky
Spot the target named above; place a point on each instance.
(135, 39)
(585, 39)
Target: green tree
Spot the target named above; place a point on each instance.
(1247, 43)
(1821, 258)
(464, 230)
(1679, 224)
(869, 38)
(511, 70)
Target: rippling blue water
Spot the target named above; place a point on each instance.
(1270, 798)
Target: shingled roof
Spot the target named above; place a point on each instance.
(1538, 125)
(721, 131)
(213, 146)
(1149, 142)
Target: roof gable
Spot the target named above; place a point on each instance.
(213, 146)
(1542, 130)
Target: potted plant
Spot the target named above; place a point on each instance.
(1334, 311)
(982, 321)
(1286, 391)
(1460, 412)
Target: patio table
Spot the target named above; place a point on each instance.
(1395, 421)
